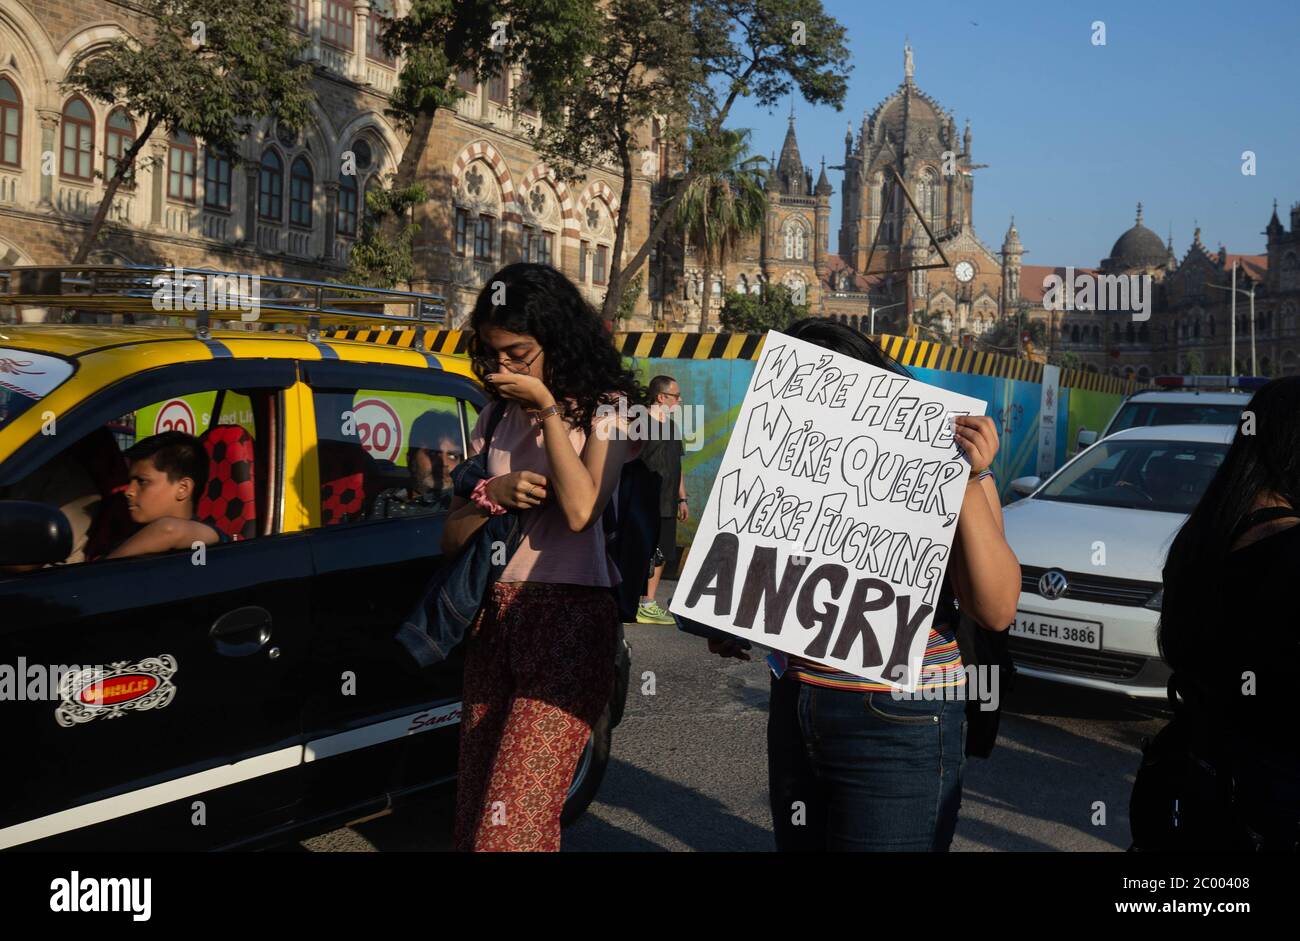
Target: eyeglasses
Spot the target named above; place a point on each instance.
(513, 365)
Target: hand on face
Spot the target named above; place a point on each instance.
(528, 390)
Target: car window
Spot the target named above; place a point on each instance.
(1144, 414)
(385, 454)
(26, 378)
(1168, 476)
(89, 480)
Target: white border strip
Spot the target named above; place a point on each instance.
(284, 759)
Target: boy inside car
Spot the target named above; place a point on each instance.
(168, 471)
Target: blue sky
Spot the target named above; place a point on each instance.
(1077, 134)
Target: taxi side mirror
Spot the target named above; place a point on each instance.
(33, 533)
(1086, 438)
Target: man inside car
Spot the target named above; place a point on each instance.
(168, 471)
(432, 454)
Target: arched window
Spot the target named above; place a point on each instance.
(11, 124)
(1074, 333)
(1096, 333)
(1144, 333)
(1129, 334)
(300, 193)
(927, 198)
(182, 160)
(270, 187)
(347, 215)
(78, 140)
(119, 135)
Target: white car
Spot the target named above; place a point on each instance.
(1180, 400)
(1092, 542)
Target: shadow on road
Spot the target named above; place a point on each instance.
(693, 819)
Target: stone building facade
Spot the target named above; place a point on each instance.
(286, 206)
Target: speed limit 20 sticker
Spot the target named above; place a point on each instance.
(174, 415)
(378, 428)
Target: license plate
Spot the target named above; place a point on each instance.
(1055, 630)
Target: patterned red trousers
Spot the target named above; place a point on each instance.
(538, 674)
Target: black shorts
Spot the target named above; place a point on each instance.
(668, 537)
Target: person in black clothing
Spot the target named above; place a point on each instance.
(1229, 628)
(662, 453)
(434, 450)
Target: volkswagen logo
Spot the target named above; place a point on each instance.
(1053, 584)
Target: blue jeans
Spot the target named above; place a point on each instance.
(851, 771)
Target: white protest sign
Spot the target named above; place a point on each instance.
(830, 522)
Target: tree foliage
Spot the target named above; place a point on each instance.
(381, 256)
(211, 68)
(599, 71)
(773, 309)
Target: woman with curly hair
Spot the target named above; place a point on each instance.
(539, 665)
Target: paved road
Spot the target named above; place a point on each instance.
(689, 769)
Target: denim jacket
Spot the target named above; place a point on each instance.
(459, 588)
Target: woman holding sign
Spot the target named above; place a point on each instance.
(538, 671)
(851, 764)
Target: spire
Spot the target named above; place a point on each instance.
(823, 184)
(965, 138)
(908, 66)
(772, 184)
(1011, 244)
(1139, 218)
(1274, 226)
(1196, 239)
(790, 168)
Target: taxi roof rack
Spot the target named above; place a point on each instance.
(205, 295)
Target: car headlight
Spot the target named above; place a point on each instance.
(1156, 600)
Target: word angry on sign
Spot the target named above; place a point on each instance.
(830, 523)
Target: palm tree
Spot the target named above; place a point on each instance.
(722, 206)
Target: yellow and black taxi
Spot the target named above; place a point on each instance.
(249, 691)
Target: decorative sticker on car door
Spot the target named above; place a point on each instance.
(99, 693)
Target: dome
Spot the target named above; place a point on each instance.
(1139, 247)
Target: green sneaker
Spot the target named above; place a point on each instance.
(649, 612)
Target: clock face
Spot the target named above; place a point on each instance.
(964, 271)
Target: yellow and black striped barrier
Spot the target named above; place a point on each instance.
(909, 352)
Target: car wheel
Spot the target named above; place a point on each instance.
(590, 771)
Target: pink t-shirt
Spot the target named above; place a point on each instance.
(548, 551)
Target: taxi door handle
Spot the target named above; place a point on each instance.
(242, 632)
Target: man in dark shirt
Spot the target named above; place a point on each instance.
(662, 453)
(433, 450)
